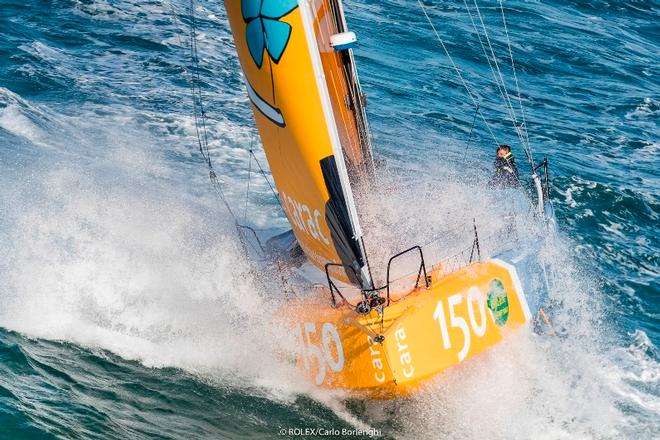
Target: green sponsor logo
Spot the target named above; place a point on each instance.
(498, 301)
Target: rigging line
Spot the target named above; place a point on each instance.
(195, 55)
(202, 138)
(247, 191)
(191, 80)
(483, 47)
(189, 77)
(505, 94)
(193, 90)
(501, 81)
(200, 120)
(198, 106)
(515, 76)
(474, 119)
(196, 87)
(263, 173)
(215, 183)
(458, 72)
(501, 86)
(200, 114)
(508, 103)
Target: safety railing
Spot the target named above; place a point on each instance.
(422, 268)
(371, 297)
(331, 284)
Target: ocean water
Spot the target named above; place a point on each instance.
(128, 310)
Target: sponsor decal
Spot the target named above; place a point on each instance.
(264, 30)
(498, 302)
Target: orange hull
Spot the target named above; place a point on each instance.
(421, 333)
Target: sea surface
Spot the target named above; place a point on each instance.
(127, 307)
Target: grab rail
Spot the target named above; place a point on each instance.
(422, 267)
(331, 283)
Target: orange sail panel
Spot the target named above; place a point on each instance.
(277, 48)
(344, 89)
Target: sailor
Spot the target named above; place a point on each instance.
(506, 172)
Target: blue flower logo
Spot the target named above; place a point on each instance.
(264, 30)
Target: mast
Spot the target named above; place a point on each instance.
(296, 111)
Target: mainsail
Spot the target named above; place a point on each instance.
(297, 96)
(348, 101)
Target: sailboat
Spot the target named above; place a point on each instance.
(383, 340)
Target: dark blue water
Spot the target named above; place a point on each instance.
(128, 311)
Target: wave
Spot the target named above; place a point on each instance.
(110, 238)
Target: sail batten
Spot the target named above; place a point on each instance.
(295, 113)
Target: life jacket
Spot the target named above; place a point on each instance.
(506, 172)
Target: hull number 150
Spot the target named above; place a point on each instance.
(323, 353)
(476, 318)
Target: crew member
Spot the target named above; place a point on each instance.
(506, 172)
